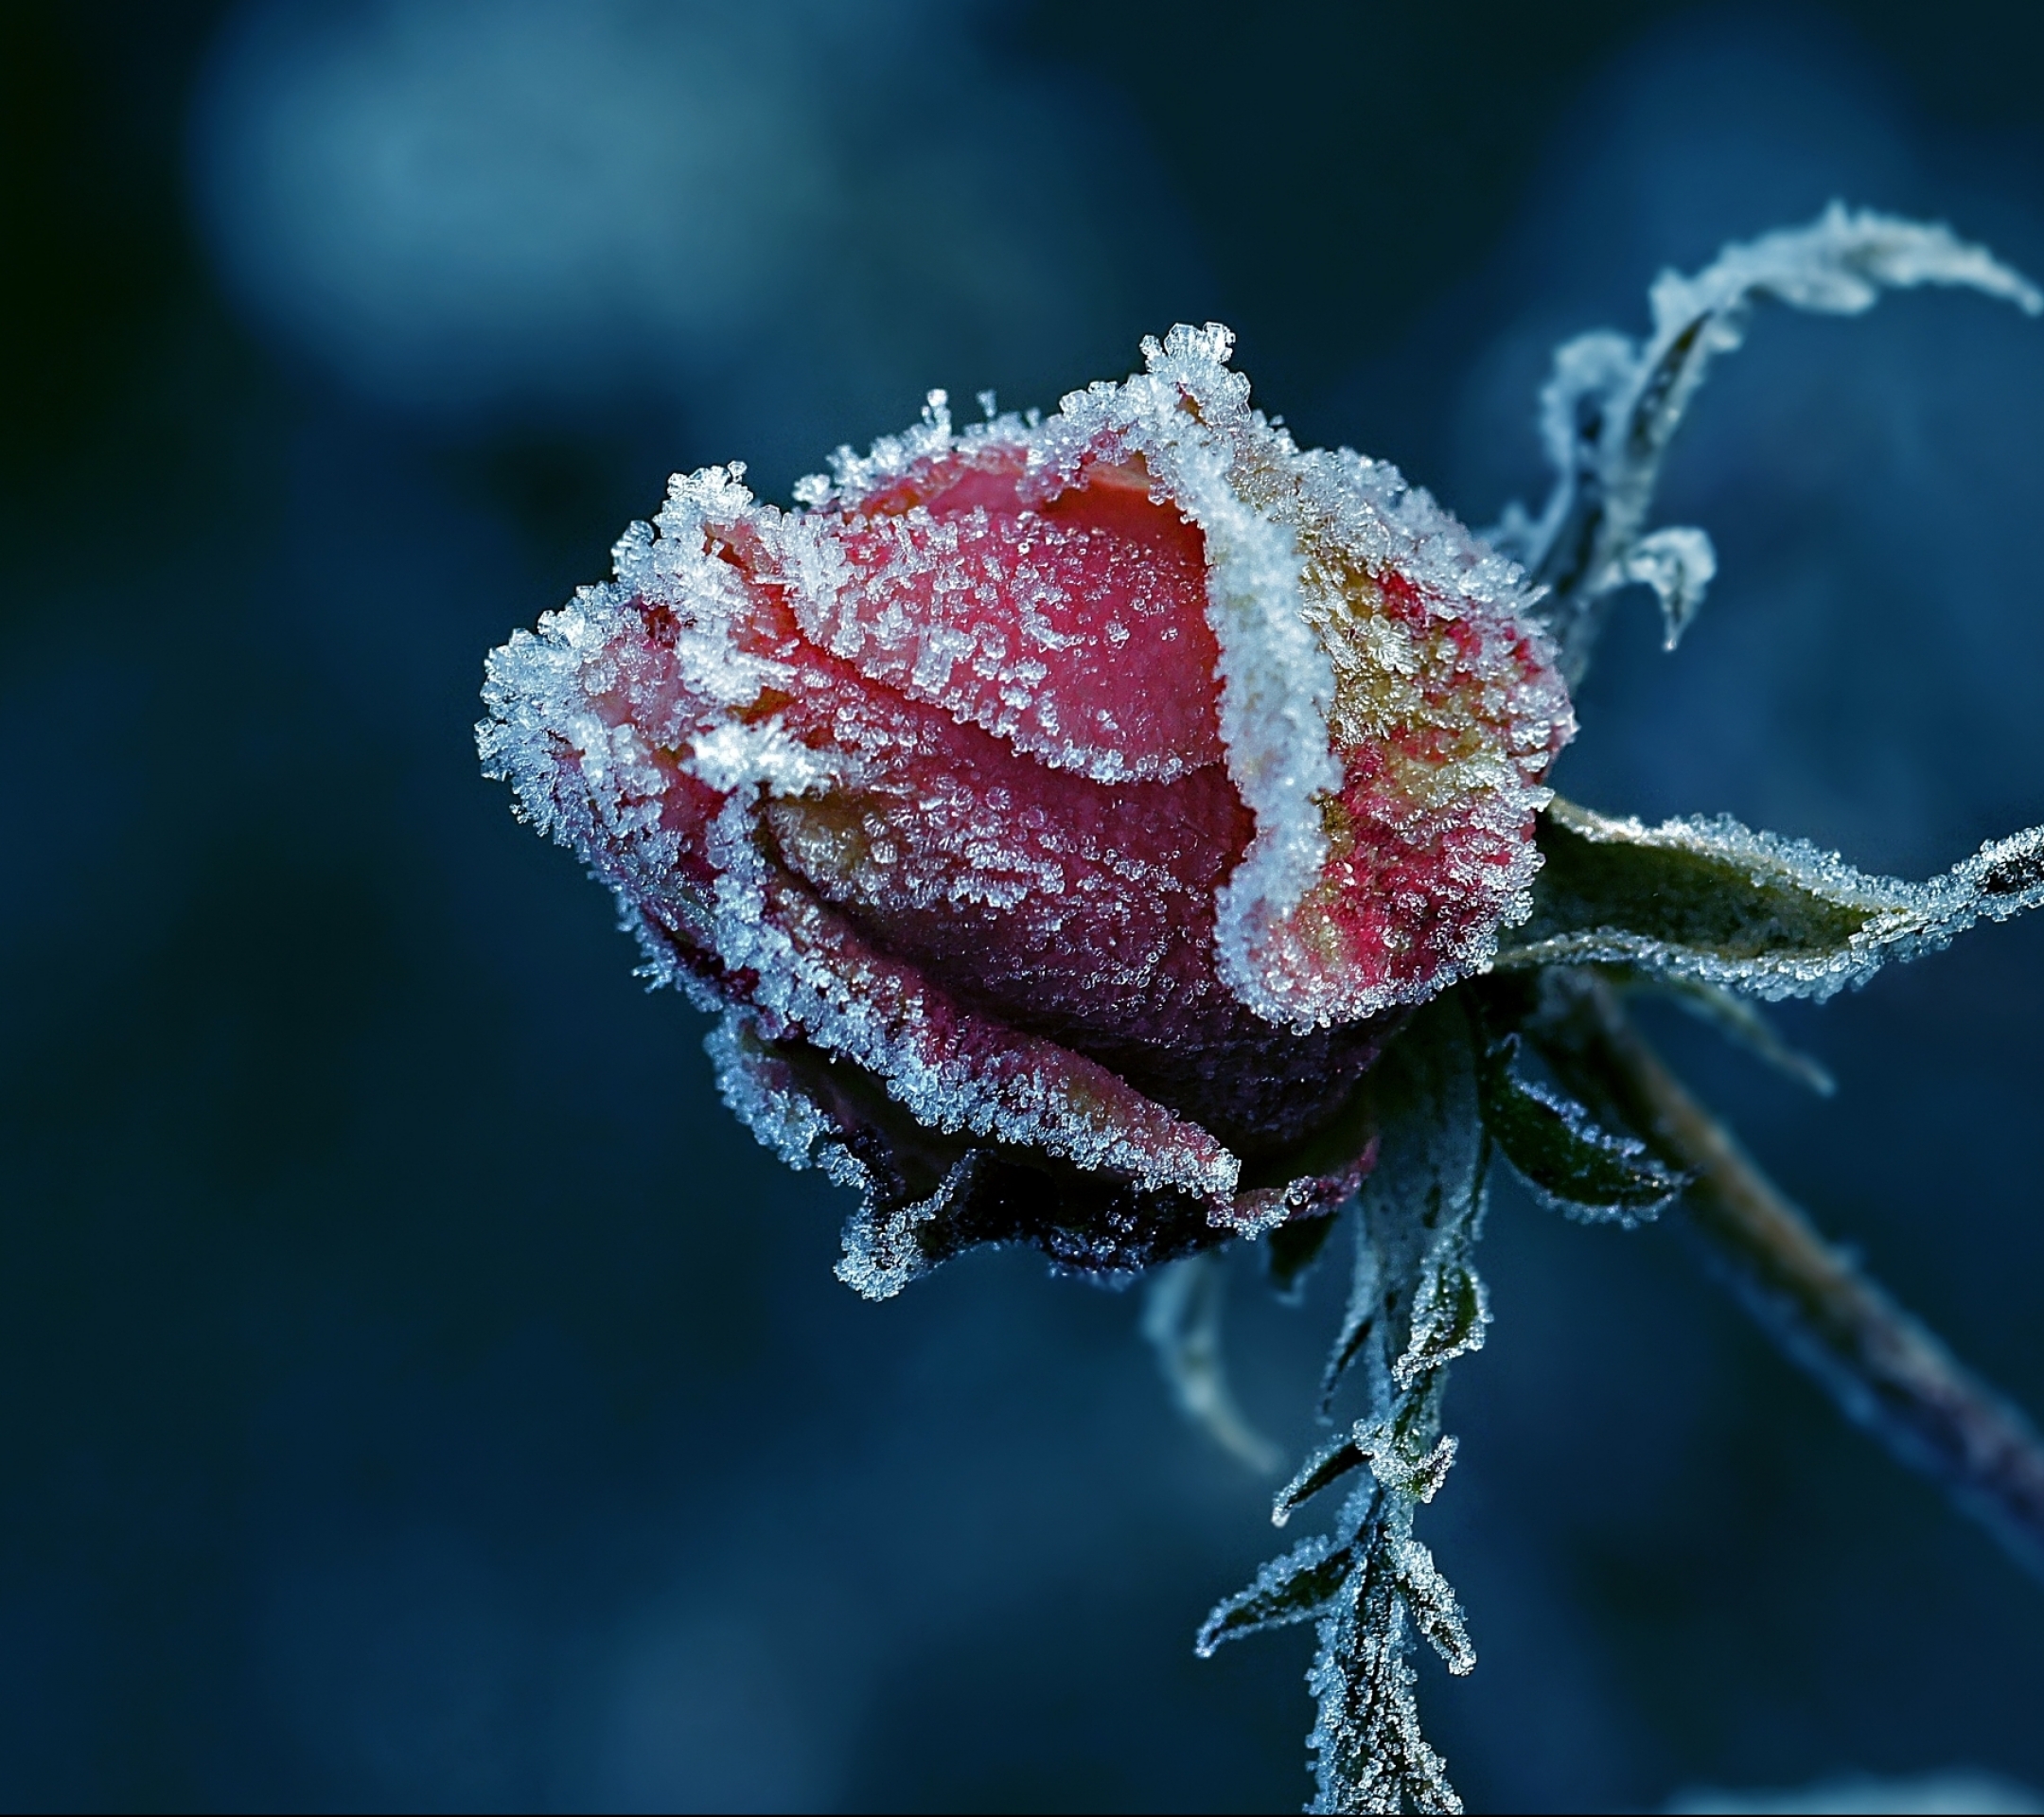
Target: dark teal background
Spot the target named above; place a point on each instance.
(415, 1391)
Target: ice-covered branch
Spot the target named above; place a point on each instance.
(1883, 1368)
(1612, 404)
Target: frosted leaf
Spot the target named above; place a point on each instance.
(1415, 1476)
(1416, 1302)
(1612, 404)
(1324, 1468)
(1571, 1162)
(1386, 1447)
(1431, 1600)
(1294, 1588)
(1716, 902)
(1451, 1308)
(1182, 1320)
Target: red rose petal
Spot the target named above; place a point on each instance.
(1076, 630)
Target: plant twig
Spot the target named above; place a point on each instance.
(1884, 1369)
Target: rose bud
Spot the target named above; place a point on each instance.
(1062, 812)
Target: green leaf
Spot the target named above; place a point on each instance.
(1565, 1154)
(1325, 1468)
(1451, 1308)
(1371, 1754)
(1716, 902)
(1436, 1611)
(1684, 887)
(1295, 1588)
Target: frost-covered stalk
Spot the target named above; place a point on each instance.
(1613, 404)
(1881, 1366)
(1415, 1304)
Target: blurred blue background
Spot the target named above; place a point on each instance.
(416, 1392)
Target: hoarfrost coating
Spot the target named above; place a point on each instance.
(1091, 786)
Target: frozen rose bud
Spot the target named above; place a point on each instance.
(1061, 812)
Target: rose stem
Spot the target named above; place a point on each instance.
(1884, 1369)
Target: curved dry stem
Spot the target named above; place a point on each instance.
(1884, 1369)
